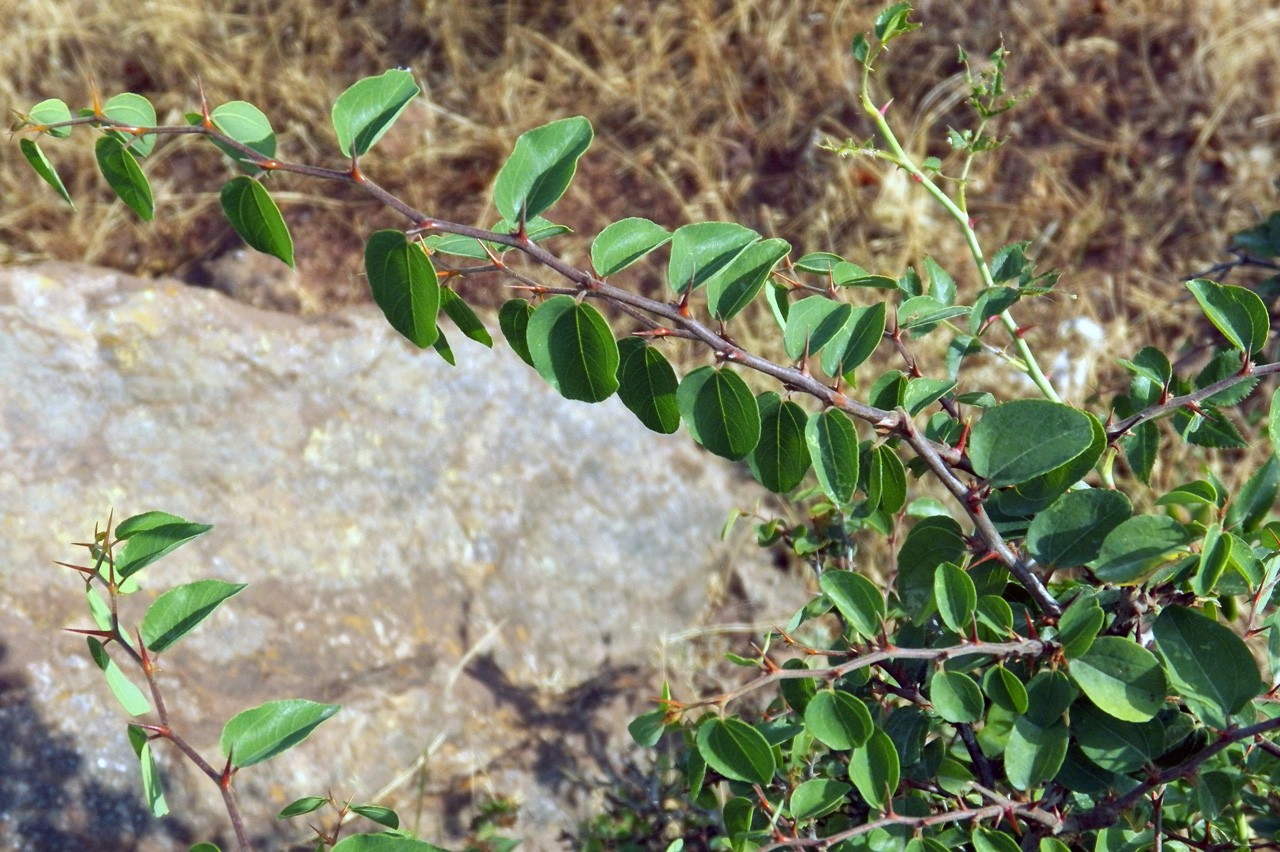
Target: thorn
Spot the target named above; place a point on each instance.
(101, 634)
(93, 91)
(225, 780)
(88, 572)
(1019, 332)
(884, 109)
(654, 332)
(206, 121)
(492, 257)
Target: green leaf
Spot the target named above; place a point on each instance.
(887, 478)
(305, 805)
(956, 697)
(991, 302)
(781, 459)
(178, 611)
(1138, 546)
(1115, 745)
(44, 168)
(893, 22)
(623, 243)
(149, 537)
(1121, 678)
(1190, 493)
(137, 111)
(125, 177)
(845, 274)
(256, 218)
(1034, 754)
(956, 597)
(379, 814)
(443, 349)
(838, 720)
(205, 847)
(404, 285)
(941, 285)
(1237, 312)
(818, 262)
(859, 601)
(1262, 239)
(246, 124)
(817, 797)
(573, 349)
(923, 392)
(513, 319)
(833, 449)
(151, 789)
(463, 317)
(384, 841)
(921, 314)
(1020, 440)
(855, 341)
(647, 729)
(720, 412)
(735, 286)
(1079, 626)
(647, 385)
(1005, 690)
(369, 107)
(736, 750)
(1225, 365)
(1215, 554)
(1255, 498)
(874, 770)
(1049, 694)
(1152, 364)
(812, 323)
(541, 167)
(125, 691)
(700, 250)
(51, 111)
(1140, 448)
(1071, 531)
(1273, 422)
(1009, 262)
(262, 732)
(1209, 665)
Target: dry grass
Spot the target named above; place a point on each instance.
(1151, 134)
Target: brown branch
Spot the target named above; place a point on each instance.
(1175, 403)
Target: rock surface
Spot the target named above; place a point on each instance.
(479, 570)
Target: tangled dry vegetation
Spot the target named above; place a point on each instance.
(1151, 134)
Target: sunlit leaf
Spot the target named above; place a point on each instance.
(181, 609)
(269, 729)
(573, 349)
(256, 218)
(540, 168)
(404, 285)
(720, 412)
(369, 107)
(125, 177)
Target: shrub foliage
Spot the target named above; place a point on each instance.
(1058, 656)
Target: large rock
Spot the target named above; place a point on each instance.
(480, 571)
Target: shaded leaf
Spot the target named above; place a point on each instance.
(873, 769)
(1004, 689)
(463, 317)
(256, 218)
(1208, 664)
(735, 286)
(1019, 440)
(700, 250)
(956, 597)
(647, 385)
(44, 169)
(855, 341)
(833, 450)
(1071, 531)
(859, 601)
(386, 841)
(125, 177)
(1237, 312)
(573, 349)
(404, 285)
(1138, 546)
(720, 412)
(379, 814)
(780, 460)
(1079, 626)
(1113, 744)
(513, 320)
(812, 322)
(1034, 754)
(305, 805)
(956, 697)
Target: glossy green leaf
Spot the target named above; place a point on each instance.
(379, 814)
(1034, 754)
(51, 111)
(573, 349)
(817, 797)
(941, 285)
(150, 536)
(125, 177)
(846, 274)
(797, 691)
(924, 392)
(262, 732)
(1079, 626)
(1152, 364)
(888, 479)
(700, 250)
(1020, 440)
(1208, 664)
(991, 301)
(1255, 498)
(513, 320)
(812, 323)
(305, 805)
(818, 262)
(1141, 446)
(736, 750)
(125, 691)
(647, 385)
(1138, 546)
(995, 618)
(369, 107)
(720, 412)
(541, 167)
(151, 789)
(1215, 555)
(853, 344)
(443, 349)
(137, 111)
(463, 317)
(956, 697)
(1237, 312)
(44, 168)
(921, 314)
(205, 847)
(623, 243)
(874, 769)
(838, 720)
(1225, 365)
(859, 601)
(1004, 689)
(833, 449)
(647, 728)
(256, 218)
(956, 597)
(181, 609)
(735, 286)
(1190, 493)
(404, 285)
(1115, 745)
(1049, 694)
(385, 841)
(1071, 531)
(781, 459)
(246, 124)
(1121, 678)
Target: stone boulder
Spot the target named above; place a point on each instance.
(481, 572)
